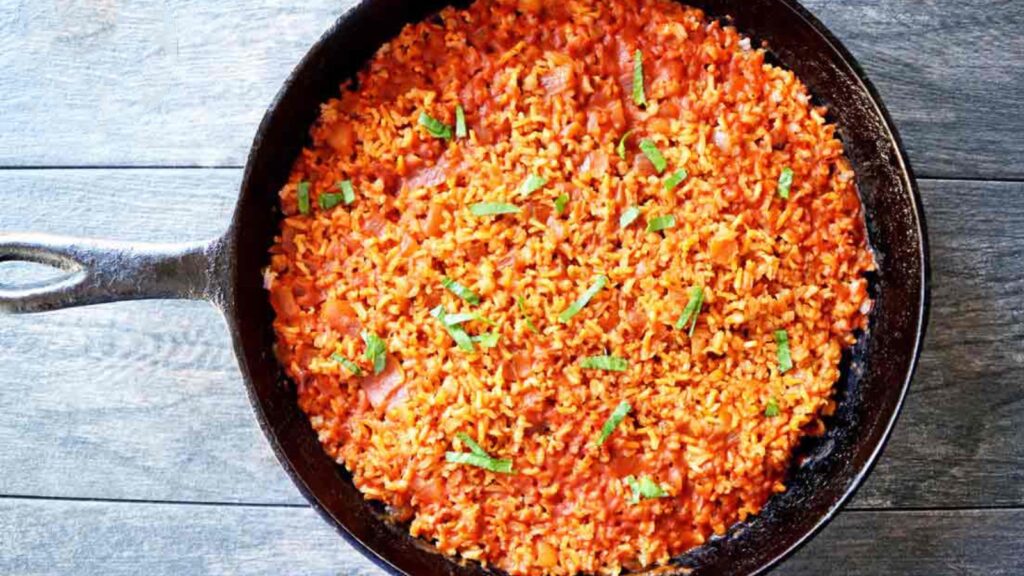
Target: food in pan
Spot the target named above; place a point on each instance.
(564, 283)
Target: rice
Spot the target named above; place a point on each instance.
(547, 91)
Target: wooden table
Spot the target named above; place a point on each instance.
(127, 445)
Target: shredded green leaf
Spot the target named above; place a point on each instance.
(348, 193)
(639, 97)
(302, 195)
(492, 208)
(560, 203)
(435, 127)
(692, 310)
(772, 409)
(473, 446)
(348, 364)
(782, 351)
(621, 148)
(328, 200)
(644, 488)
(487, 339)
(457, 333)
(500, 466)
(376, 351)
(460, 122)
(462, 317)
(460, 291)
(785, 182)
(629, 215)
(532, 184)
(650, 149)
(613, 421)
(659, 223)
(584, 298)
(675, 179)
(609, 363)
(522, 310)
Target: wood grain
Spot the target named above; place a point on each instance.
(180, 83)
(144, 401)
(113, 539)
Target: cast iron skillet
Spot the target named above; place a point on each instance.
(226, 271)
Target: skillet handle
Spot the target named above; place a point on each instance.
(103, 271)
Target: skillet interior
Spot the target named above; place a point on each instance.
(875, 374)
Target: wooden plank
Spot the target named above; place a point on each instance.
(111, 539)
(143, 400)
(144, 82)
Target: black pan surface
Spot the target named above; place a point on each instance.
(876, 372)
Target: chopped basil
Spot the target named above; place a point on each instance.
(454, 330)
(782, 351)
(621, 148)
(348, 364)
(376, 351)
(650, 149)
(639, 98)
(692, 310)
(487, 339)
(302, 195)
(675, 179)
(460, 291)
(460, 122)
(348, 193)
(629, 215)
(609, 363)
(522, 310)
(772, 409)
(328, 200)
(435, 127)
(492, 208)
(644, 488)
(501, 466)
(455, 319)
(532, 184)
(659, 223)
(560, 203)
(473, 446)
(582, 301)
(785, 182)
(613, 421)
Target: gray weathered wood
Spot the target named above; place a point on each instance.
(143, 82)
(143, 400)
(51, 538)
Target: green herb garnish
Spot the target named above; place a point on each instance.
(782, 351)
(435, 127)
(629, 215)
(650, 149)
(492, 208)
(460, 122)
(609, 363)
(328, 200)
(454, 330)
(675, 179)
(692, 310)
(487, 339)
(659, 223)
(462, 317)
(460, 291)
(473, 446)
(348, 364)
(621, 148)
(785, 182)
(582, 301)
(644, 488)
(532, 184)
(302, 195)
(639, 97)
(560, 203)
(613, 421)
(376, 351)
(522, 310)
(500, 466)
(772, 409)
(348, 193)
